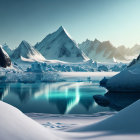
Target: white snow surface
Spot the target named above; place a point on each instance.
(123, 125)
(126, 121)
(14, 125)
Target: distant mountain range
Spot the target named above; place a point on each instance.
(106, 52)
(59, 45)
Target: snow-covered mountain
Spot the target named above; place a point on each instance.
(26, 52)
(4, 58)
(7, 49)
(101, 51)
(129, 53)
(60, 46)
(135, 50)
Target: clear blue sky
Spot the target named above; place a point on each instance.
(31, 20)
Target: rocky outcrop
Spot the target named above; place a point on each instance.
(4, 59)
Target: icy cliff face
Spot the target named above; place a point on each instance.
(26, 52)
(4, 59)
(59, 45)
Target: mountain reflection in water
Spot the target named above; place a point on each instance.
(55, 98)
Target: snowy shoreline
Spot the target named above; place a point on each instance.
(123, 125)
(32, 77)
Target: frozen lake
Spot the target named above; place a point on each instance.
(54, 98)
(68, 97)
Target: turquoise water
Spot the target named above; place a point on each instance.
(54, 98)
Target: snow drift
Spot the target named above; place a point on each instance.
(124, 122)
(15, 125)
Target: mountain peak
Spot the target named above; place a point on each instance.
(23, 41)
(107, 43)
(96, 40)
(87, 40)
(61, 28)
(24, 44)
(5, 44)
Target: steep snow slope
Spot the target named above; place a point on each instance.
(7, 49)
(14, 125)
(4, 58)
(26, 52)
(127, 80)
(60, 46)
(101, 51)
(123, 125)
(124, 122)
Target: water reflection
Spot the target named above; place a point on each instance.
(116, 101)
(59, 98)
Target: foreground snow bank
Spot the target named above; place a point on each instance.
(124, 122)
(121, 126)
(14, 125)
